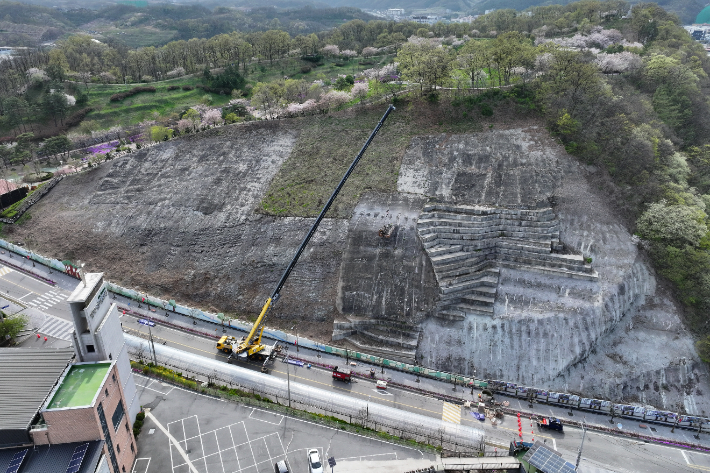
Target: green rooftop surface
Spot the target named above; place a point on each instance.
(80, 385)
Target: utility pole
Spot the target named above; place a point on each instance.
(152, 346)
(288, 384)
(584, 434)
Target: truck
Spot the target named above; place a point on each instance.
(342, 374)
(549, 423)
(250, 346)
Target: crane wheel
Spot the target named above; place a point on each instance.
(226, 350)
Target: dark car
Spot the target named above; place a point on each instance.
(550, 423)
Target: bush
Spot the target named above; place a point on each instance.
(173, 87)
(140, 416)
(314, 58)
(77, 117)
(187, 87)
(306, 69)
(486, 110)
(135, 90)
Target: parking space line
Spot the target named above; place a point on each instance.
(239, 464)
(172, 440)
(28, 294)
(246, 432)
(202, 445)
(135, 465)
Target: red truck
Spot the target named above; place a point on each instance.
(341, 374)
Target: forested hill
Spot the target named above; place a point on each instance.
(685, 9)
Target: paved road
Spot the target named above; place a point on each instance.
(601, 450)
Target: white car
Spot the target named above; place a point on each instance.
(314, 464)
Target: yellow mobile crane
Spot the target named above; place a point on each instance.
(251, 346)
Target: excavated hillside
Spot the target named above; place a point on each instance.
(464, 247)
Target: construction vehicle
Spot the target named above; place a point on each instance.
(251, 346)
(343, 375)
(225, 343)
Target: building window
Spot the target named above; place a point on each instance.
(124, 468)
(110, 357)
(113, 376)
(106, 391)
(107, 436)
(90, 349)
(128, 429)
(118, 448)
(117, 416)
(133, 449)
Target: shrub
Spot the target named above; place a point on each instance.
(77, 117)
(486, 110)
(135, 90)
(140, 416)
(187, 87)
(173, 87)
(306, 69)
(314, 58)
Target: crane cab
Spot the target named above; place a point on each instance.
(225, 343)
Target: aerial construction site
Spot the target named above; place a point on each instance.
(486, 251)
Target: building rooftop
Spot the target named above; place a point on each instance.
(83, 293)
(28, 376)
(80, 385)
(53, 458)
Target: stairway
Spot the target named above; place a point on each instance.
(468, 244)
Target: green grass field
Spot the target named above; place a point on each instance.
(79, 386)
(145, 105)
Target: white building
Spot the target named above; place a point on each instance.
(98, 334)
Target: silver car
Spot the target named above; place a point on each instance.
(314, 464)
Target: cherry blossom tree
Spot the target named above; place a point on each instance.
(331, 50)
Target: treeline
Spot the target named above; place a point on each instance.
(83, 56)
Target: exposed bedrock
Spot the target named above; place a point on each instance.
(548, 329)
(387, 286)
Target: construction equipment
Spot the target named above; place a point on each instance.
(251, 346)
(225, 343)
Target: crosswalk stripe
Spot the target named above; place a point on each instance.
(58, 328)
(451, 413)
(5, 270)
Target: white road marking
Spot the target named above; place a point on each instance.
(451, 413)
(135, 465)
(685, 457)
(173, 441)
(28, 294)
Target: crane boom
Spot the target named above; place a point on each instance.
(247, 343)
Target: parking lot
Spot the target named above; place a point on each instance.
(199, 433)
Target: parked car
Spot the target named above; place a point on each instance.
(314, 464)
(281, 467)
(381, 384)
